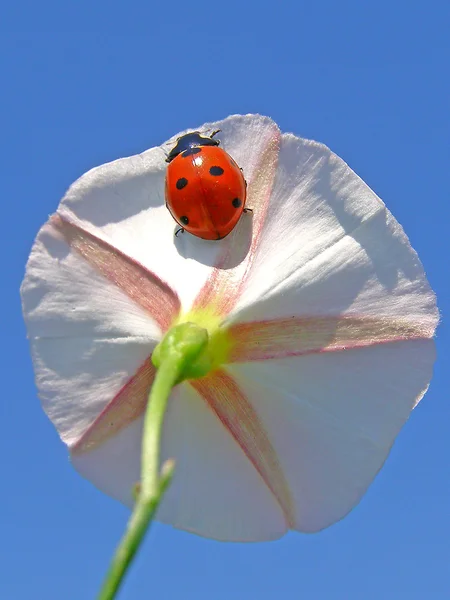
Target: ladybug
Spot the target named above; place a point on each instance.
(205, 188)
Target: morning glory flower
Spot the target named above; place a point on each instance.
(321, 325)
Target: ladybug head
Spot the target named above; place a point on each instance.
(191, 140)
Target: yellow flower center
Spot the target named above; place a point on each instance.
(197, 328)
(219, 339)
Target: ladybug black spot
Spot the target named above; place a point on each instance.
(236, 202)
(184, 220)
(181, 183)
(216, 171)
(190, 151)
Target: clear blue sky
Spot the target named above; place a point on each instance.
(86, 82)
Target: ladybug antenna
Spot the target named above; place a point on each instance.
(166, 154)
(215, 132)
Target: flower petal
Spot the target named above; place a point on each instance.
(234, 411)
(123, 203)
(87, 336)
(296, 336)
(125, 408)
(216, 491)
(330, 247)
(332, 419)
(142, 286)
(77, 378)
(334, 262)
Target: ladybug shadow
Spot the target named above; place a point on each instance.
(226, 253)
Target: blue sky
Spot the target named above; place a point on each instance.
(83, 83)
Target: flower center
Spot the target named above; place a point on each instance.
(195, 325)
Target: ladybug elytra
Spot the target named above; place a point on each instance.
(205, 188)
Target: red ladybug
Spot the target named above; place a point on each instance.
(205, 188)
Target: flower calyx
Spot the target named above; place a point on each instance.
(187, 344)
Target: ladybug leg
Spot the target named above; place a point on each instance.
(181, 230)
(247, 210)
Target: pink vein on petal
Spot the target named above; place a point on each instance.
(141, 285)
(231, 406)
(127, 406)
(225, 283)
(294, 336)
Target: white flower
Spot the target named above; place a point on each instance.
(324, 306)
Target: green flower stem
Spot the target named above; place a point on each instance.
(174, 358)
(152, 485)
